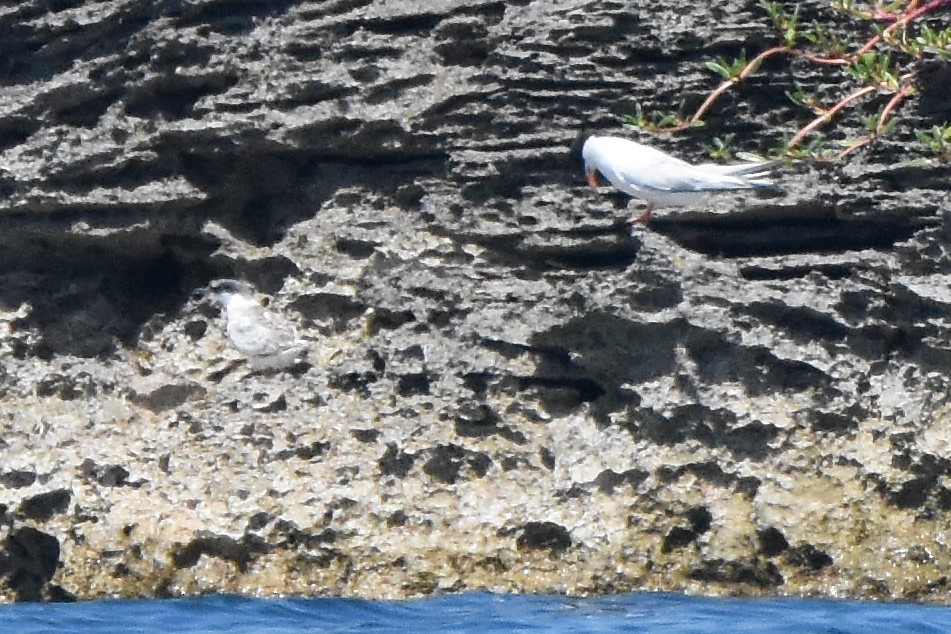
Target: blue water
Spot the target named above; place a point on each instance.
(476, 612)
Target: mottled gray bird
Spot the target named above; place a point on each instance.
(267, 338)
(662, 180)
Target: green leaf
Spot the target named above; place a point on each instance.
(773, 9)
(797, 96)
(790, 36)
(848, 142)
(719, 68)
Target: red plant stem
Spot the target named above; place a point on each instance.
(899, 96)
(838, 61)
(828, 114)
(912, 11)
(890, 16)
(905, 90)
(743, 74)
(902, 21)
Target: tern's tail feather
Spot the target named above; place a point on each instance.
(756, 173)
(759, 182)
(750, 170)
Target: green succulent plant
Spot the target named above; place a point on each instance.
(879, 66)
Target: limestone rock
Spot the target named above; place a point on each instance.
(508, 389)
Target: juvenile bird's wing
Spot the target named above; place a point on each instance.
(256, 330)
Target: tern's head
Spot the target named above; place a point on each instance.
(587, 153)
(226, 290)
(590, 159)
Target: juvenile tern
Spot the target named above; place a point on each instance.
(660, 179)
(267, 338)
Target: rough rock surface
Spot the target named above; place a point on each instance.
(507, 389)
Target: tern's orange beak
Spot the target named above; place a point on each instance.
(592, 177)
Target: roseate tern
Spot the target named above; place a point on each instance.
(660, 179)
(267, 338)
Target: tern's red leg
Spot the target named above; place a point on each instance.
(592, 177)
(644, 217)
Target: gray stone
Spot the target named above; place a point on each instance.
(508, 389)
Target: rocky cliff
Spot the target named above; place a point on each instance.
(507, 387)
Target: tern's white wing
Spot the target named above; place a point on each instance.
(669, 174)
(256, 331)
(638, 169)
(739, 169)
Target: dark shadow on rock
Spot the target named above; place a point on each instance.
(751, 233)
(450, 463)
(611, 354)
(240, 552)
(699, 521)
(107, 475)
(599, 353)
(89, 294)
(16, 478)
(713, 473)
(34, 54)
(719, 360)
(771, 541)
(479, 420)
(544, 536)
(395, 461)
(28, 561)
(934, 77)
(712, 427)
(173, 96)
(608, 248)
(676, 538)
(608, 480)
(803, 324)
(258, 190)
(807, 556)
(44, 506)
(762, 574)
(229, 16)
